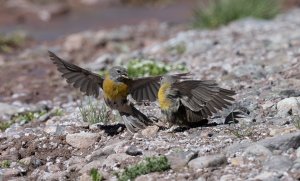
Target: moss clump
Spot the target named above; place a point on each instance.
(150, 164)
(222, 12)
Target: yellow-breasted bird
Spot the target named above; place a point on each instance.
(116, 87)
(184, 101)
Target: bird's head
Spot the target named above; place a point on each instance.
(118, 73)
(167, 79)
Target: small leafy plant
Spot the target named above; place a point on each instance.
(58, 112)
(241, 130)
(96, 175)
(28, 116)
(94, 113)
(4, 125)
(24, 117)
(141, 68)
(222, 12)
(150, 164)
(5, 164)
(296, 121)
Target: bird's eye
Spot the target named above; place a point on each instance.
(118, 71)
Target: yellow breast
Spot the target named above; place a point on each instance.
(163, 101)
(114, 90)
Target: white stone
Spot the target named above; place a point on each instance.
(82, 139)
(207, 161)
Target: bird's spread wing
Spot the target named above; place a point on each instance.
(204, 97)
(143, 89)
(146, 88)
(87, 81)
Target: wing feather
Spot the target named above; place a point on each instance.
(88, 82)
(143, 89)
(203, 97)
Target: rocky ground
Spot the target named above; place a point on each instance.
(260, 60)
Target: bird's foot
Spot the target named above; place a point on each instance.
(176, 128)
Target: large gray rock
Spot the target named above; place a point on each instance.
(115, 159)
(150, 131)
(9, 172)
(8, 109)
(52, 176)
(256, 71)
(133, 151)
(207, 161)
(298, 152)
(178, 160)
(88, 167)
(228, 177)
(146, 177)
(107, 150)
(257, 151)
(82, 139)
(85, 177)
(278, 163)
(287, 104)
(267, 176)
(236, 147)
(282, 142)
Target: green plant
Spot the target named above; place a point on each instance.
(58, 112)
(296, 121)
(94, 113)
(9, 42)
(241, 130)
(5, 164)
(96, 176)
(28, 116)
(150, 164)
(4, 125)
(141, 68)
(221, 12)
(24, 117)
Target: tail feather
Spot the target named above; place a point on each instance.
(135, 120)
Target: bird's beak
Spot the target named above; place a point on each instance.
(125, 76)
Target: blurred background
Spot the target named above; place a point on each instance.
(50, 19)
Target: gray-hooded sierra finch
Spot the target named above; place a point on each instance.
(184, 101)
(116, 87)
